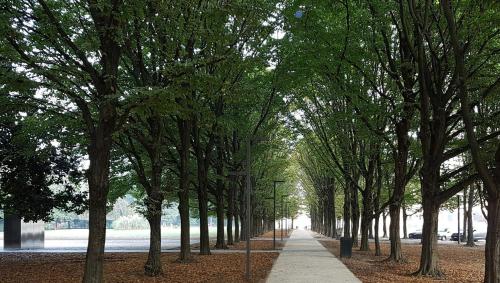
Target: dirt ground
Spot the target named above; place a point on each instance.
(263, 245)
(258, 245)
(458, 263)
(128, 267)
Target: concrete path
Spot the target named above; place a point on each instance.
(304, 259)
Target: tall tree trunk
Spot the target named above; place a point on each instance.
(377, 239)
(470, 226)
(384, 224)
(355, 215)
(98, 180)
(219, 197)
(366, 217)
(370, 232)
(367, 195)
(429, 258)
(243, 212)
(333, 215)
(184, 133)
(405, 218)
(396, 254)
(202, 163)
(464, 220)
(230, 212)
(220, 244)
(364, 234)
(400, 174)
(236, 214)
(204, 232)
(492, 247)
(347, 211)
(376, 203)
(154, 203)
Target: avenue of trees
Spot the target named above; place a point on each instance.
(398, 104)
(371, 106)
(151, 98)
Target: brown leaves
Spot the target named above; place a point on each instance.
(128, 267)
(458, 263)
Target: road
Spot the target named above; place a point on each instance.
(75, 240)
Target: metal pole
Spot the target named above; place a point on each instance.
(286, 218)
(274, 216)
(249, 184)
(281, 218)
(458, 211)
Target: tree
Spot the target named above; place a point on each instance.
(36, 177)
(72, 51)
(490, 177)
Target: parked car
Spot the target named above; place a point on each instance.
(478, 236)
(415, 235)
(444, 234)
(454, 236)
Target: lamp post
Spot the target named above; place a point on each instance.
(274, 212)
(286, 218)
(282, 198)
(248, 190)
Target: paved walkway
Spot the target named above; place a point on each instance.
(304, 259)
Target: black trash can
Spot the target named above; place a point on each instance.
(345, 247)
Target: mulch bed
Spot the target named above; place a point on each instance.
(128, 267)
(258, 245)
(263, 245)
(458, 263)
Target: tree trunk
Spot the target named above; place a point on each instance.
(492, 248)
(364, 234)
(405, 218)
(153, 265)
(202, 163)
(396, 254)
(219, 197)
(355, 216)
(370, 232)
(220, 244)
(334, 215)
(470, 226)
(429, 256)
(230, 212)
(384, 224)
(236, 215)
(97, 236)
(98, 180)
(347, 208)
(203, 213)
(377, 240)
(366, 218)
(204, 233)
(400, 174)
(243, 212)
(367, 195)
(184, 130)
(464, 223)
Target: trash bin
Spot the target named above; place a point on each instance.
(345, 247)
